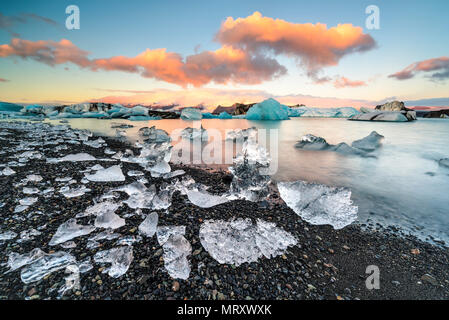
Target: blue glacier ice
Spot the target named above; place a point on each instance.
(191, 114)
(268, 109)
(343, 112)
(208, 115)
(224, 115)
(143, 118)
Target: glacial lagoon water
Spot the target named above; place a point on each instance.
(403, 185)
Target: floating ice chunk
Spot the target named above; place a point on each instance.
(120, 259)
(68, 231)
(370, 142)
(195, 134)
(16, 260)
(176, 250)
(444, 162)
(7, 235)
(27, 190)
(164, 232)
(239, 241)
(111, 174)
(73, 158)
(149, 225)
(191, 114)
(154, 135)
(344, 148)
(311, 142)
(46, 265)
(268, 109)
(28, 201)
(72, 193)
(204, 199)
(240, 134)
(319, 204)
(109, 219)
(7, 171)
(271, 240)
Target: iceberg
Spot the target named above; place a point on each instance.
(224, 115)
(444, 162)
(208, 115)
(191, 114)
(68, 231)
(120, 259)
(268, 109)
(370, 142)
(392, 116)
(311, 142)
(319, 204)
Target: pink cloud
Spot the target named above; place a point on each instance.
(344, 82)
(440, 64)
(314, 44)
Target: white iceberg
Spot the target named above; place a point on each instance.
(370, 142)
(191, 114)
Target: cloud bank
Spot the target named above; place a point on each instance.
(438, 68)
(247, 55)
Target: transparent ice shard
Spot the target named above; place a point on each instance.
(98, 208)
(27, 235)
(85, 265)
(271, 240)
(33, 178)
(249, 179)
(72, 280)
(120, 259)
(7, 171)
(75, 192)
(154, 135)
(204, 199)
(128, 240)
(109, 219)
(164, 232)
(319, 204)
(16, 260)
(73, 158)
(173, 174)
(111, 174)
(68, 231)
(27, 190)
(149, 225)
(68, 245)
(176, 250)
(28, 201)
(105, 235)
(239, 241)
(135, 173)
(46, 265)
(7, 235)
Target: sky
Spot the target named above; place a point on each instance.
(318, 53)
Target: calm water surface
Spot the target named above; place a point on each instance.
(403, 185)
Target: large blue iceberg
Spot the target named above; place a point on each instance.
(191, 114)
(268, 109)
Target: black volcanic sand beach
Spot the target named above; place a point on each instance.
(326, 263)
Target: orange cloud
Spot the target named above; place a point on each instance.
(245, 56)
(314, 44)
(48, 52)
(344, 82)
(428, 65)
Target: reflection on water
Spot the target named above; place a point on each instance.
(404, 185)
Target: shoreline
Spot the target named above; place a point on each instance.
(325, 264)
